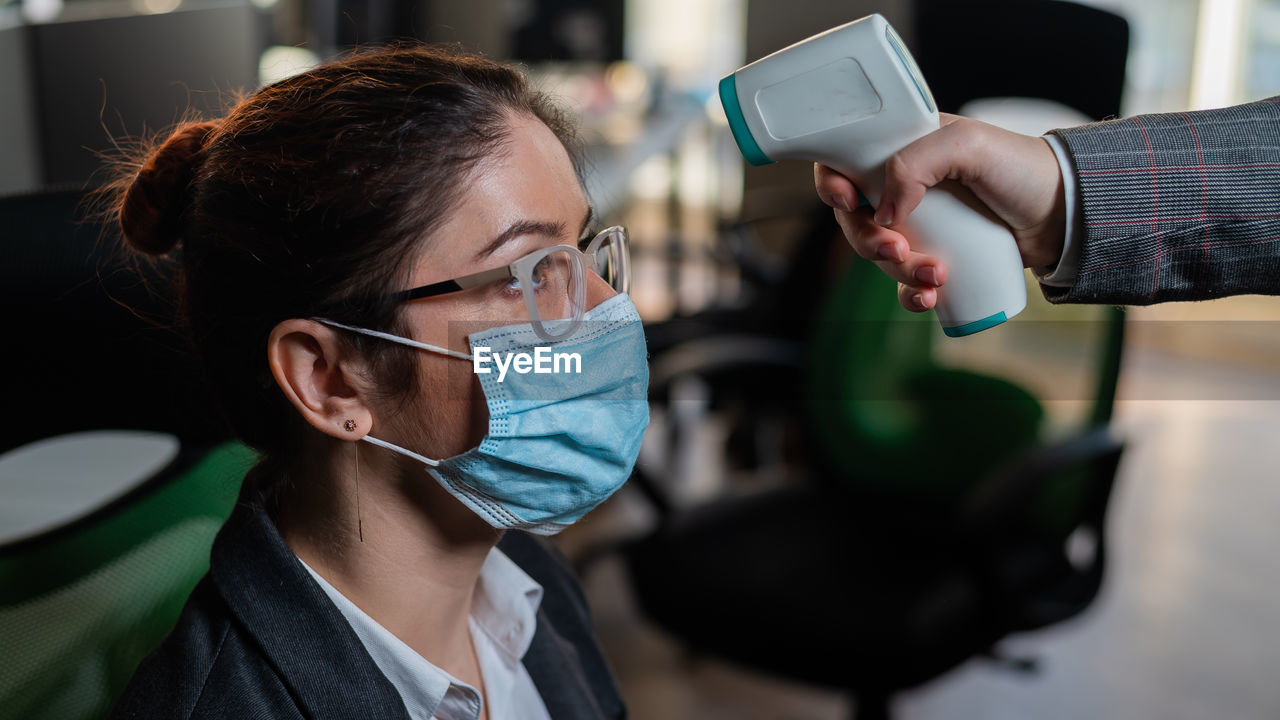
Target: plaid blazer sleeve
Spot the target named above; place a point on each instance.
(1177, 206)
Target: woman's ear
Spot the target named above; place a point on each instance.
(321, 376)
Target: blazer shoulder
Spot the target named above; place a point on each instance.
(205, 668)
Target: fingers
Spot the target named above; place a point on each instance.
(872, 241)
(918, 275)
(834, 189)
(917, 299)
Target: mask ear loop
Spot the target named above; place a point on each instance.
(402, 451)
(396, 339)
(402, 341)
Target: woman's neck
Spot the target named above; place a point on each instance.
(415, 569)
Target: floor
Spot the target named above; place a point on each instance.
(1187, 626)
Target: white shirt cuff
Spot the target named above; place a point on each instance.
(1063, 274)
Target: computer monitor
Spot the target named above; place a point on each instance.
(99, 77)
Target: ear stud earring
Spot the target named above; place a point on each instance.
(350, 425)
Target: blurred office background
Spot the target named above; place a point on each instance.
(806, 536)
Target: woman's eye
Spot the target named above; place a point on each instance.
(537, 276)
(539, 272)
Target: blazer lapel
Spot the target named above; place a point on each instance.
(555, 667)
(314, 649)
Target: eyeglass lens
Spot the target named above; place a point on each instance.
(556, 286)
(552, 285)
(612, 262)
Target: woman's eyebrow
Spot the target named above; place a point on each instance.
(517, 229)
(531, 227)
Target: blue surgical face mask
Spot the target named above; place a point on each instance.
(559, 442)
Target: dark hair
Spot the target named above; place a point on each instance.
(309, 199)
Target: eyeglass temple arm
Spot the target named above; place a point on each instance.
(465, 282)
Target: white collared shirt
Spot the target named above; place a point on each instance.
(1063, 273)
(502, 621)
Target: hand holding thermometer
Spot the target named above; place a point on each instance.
(850, 98)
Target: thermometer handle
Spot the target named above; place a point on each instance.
(985, 282)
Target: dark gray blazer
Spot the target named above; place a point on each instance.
(259, 639)
(1178, 206)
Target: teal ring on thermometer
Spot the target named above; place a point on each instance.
(738, 124)
(976, 326)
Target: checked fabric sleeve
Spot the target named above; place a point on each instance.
(1177, 206)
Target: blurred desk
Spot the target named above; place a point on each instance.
(50, 483)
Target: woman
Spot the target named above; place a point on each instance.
(346, 239)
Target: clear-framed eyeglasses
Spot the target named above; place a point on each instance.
(552, 280)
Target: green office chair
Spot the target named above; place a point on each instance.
(80, 606)
(879, 399)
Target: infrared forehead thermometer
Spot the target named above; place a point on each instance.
(850, 98)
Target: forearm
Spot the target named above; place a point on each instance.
(1177, 206)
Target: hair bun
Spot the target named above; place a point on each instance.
(154, 201)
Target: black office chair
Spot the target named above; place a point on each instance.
(870, 598)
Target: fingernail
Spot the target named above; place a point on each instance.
(890, 251)
(918, 301)
(884, 214)
(927, 275)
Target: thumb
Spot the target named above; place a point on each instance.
(947, 152)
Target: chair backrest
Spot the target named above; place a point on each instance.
(92, 336)
(1051, 49)
(877, 398)
(1065, 52)
(81, 606)
(94, 342)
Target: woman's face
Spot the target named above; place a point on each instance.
(525, 198)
